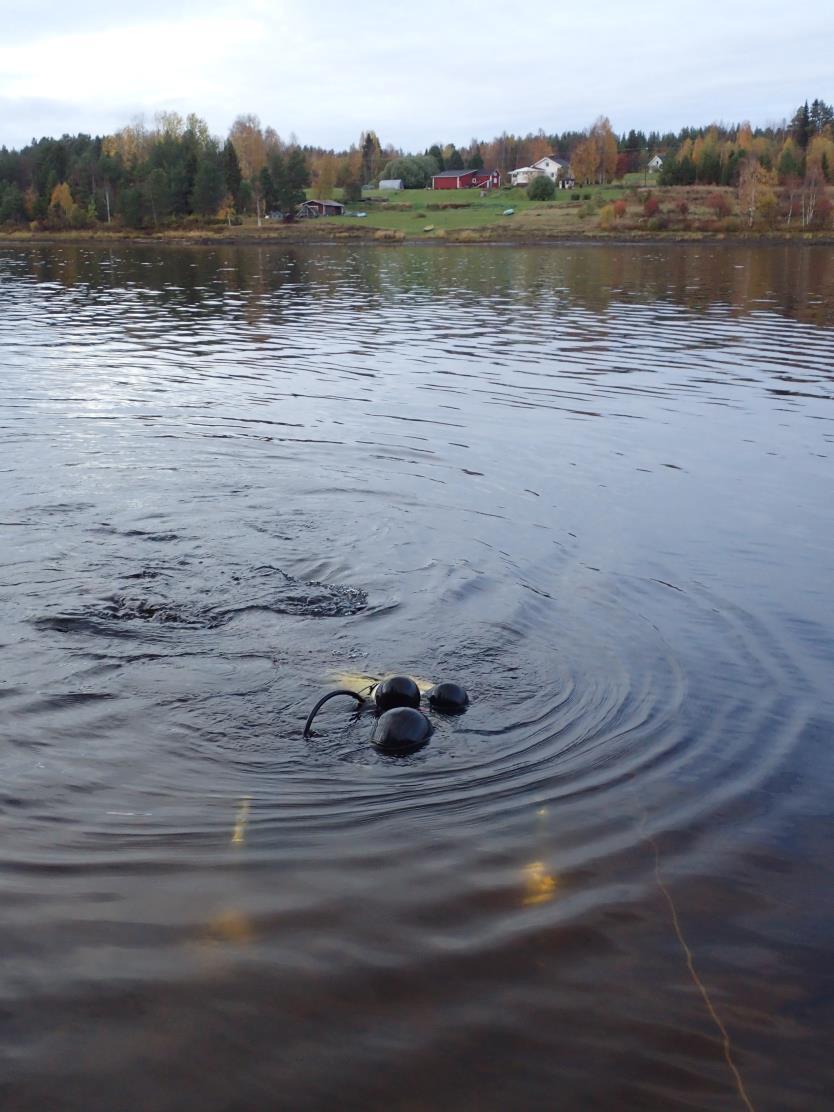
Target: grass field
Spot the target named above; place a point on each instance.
(409, 212)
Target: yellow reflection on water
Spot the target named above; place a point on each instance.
(241, 819)
(358, 681)
(539, 884)
(230, 925)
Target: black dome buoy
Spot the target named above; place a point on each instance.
(449, 697)
(396, 691)
(401, 730)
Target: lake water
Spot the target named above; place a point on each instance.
(592, 484)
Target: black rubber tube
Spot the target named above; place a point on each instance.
(323, 700)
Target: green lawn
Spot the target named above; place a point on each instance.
(408, 210)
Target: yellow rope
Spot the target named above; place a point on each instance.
(699, 984)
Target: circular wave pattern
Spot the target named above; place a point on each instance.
(235, 481)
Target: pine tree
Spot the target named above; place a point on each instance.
(231, 169)
(291, 179)
(476, 161)
(268, 191)
(436, 153)
(801, 126)
(209, 185)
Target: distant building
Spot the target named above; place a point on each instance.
(466, 179)
(391, 183)
(524, 175)
(656, 163)
(321, 208)
(557, 169)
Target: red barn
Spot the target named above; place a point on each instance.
(466, 179)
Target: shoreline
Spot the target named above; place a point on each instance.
(299, 235)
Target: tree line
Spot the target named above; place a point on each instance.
(175, 171)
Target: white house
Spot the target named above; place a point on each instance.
(553, 166)
(391, 183)
(557, 169)
(656, 163)
(524, 175)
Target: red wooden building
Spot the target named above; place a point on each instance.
(466, 179)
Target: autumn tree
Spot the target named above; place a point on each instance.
(755, 191)
(605, 142)
(61, 204)
(538, 147)
(820, 155)
(326, 178)
(248, 140)
(585, 161)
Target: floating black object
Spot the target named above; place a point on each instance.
(449, 697)
(401, 730)
(396, 691)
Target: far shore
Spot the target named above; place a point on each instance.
(321, 233)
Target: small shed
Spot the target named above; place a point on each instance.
(321, 208)
(391, 183)
(656, 163)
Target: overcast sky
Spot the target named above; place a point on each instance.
(442, 70)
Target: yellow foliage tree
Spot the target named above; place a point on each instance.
(820, 155)
(744, 138)
(584, 161)
(132, 143)
(539, 147)
(605, 142)
(250, 148)
(61, 204)
(755, 191)
(326, 178)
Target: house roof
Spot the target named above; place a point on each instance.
(552, 158)
(456, 173)
(390, 181)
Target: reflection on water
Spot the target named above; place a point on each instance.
(593, 485)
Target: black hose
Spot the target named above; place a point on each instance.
(323, 700)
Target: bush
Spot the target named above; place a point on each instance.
(606, 216)
(575, 196)
(541, 189)
(651, 206)
(619, 209)
(659, 223)
(720, 205)
(822, 214)
(683, 208)
(586, 196)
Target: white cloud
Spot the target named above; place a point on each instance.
(438, 71)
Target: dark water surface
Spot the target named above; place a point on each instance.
(594, 485)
